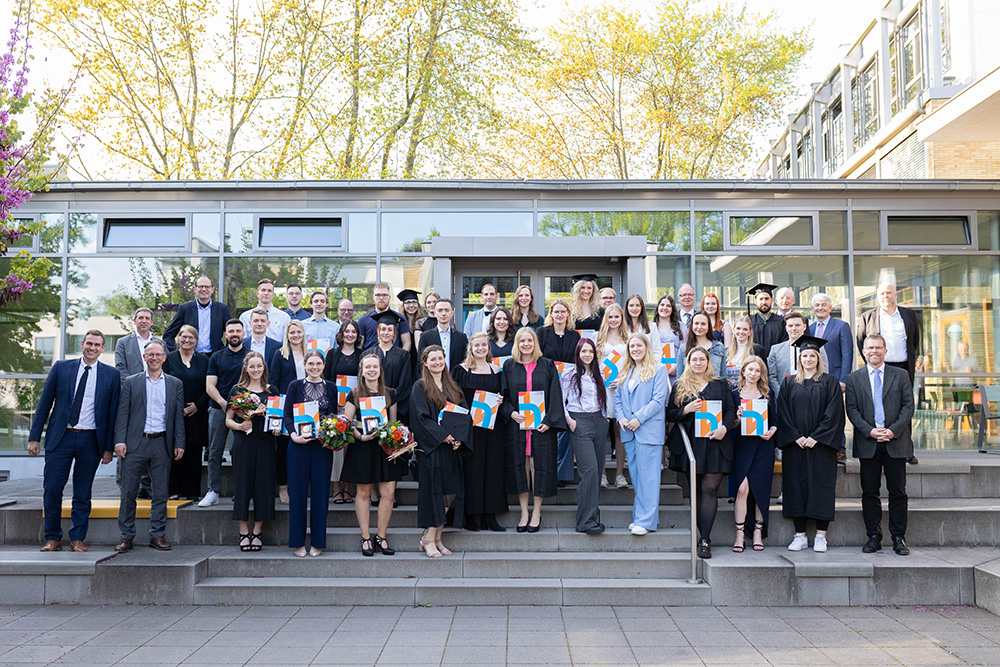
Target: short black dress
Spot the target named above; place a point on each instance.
(753, 460)
(255, 466)
(711, 456)
(484, 468)
(366, 462)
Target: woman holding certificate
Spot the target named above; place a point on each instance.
(639, 400)
(343, 361)
(395, 360)
(740, 349)
(501, 333)
(586, 404)
(612, 339)
(810, 433)
(485, 494)
(586, 303)
(667, 321)
(523, 310)
(702, 405)
(700, 335)
(753, 461)
(529, 439)
(253, 451)
(309, 462)
(287, 365)
(441, 428)
(365, 464)
(558, 341)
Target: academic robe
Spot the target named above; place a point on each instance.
(769, 332)
(545, 378)
(439, 465)
(396, 370)
(485, 490)
(813, 409)
(592, 322)
(556, 347)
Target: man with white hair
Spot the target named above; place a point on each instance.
(784, 299)
(840, 351)
(900, 329)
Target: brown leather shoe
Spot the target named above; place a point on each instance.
(52, 545)
(123, 546)
(159, 544)
(78, 545)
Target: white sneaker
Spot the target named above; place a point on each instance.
(621, 482)
(799, 542)
(819, 544)
(639, 530)
(604, 481)
(211, 498)
(631, 526)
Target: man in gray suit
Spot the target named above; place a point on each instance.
(879, 400)
(150, 430)
(129, 361)
(783, 359)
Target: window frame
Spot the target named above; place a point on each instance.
(32, 218)
(728, 246)
(102, 219)
(969, 215)
(297, 216)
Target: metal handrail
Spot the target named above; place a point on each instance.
(694, 510)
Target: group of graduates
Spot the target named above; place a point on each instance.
(430, 368)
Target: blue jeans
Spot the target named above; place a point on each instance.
(81, 451)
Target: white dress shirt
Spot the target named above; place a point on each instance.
(87, 419)
(204, 328)
(586, 399)
(276, 329)
(259, 346)
(142, 343)
(445, 335)
(156, 404)
(892, 329)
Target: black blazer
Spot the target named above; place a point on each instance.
(868, 324)
(459, 344)
(187, 313)
(281, 371)
(270, 347)
(897, 402)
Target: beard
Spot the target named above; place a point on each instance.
(764, 308)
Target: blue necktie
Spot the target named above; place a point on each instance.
(879, 410)
(81, 388)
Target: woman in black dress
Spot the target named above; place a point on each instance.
(485, 494)
(254, 455)
(366, 464)
(714, 453)
(753, 459)
(190, 368)
(410, 300)
(586, 303)
(501, 333)
(343, 361)
(286, 365)
(810, 433)
(558, 341)
(438, 463)
(530, 454)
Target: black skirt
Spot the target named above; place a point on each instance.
(366, 463)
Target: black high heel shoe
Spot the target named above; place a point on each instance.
(704, 548)
(471, 523)
(490, 521)
(383, 546)
(249, 538)
(256, 541)
(366, 547)
(535, 529)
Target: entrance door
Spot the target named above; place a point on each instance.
(548, 282)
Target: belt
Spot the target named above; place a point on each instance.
(154, 436)
(80, 430)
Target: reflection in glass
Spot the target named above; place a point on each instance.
(472, 288)
(561, 287)
(783, 230)
(948, 411)
(302, 232)
(989, 230)
(205, 232)
(866, 236)
(51, 236)
(927, 230)
(669, 230)
(833, 230)
(144, 233)
(83, 232)
(26, 241)
(362, 231)
(409, 232)
(416, 273)
(24, 322)
(708, 230)
(18, 400)
(239, 232)
(671, 273)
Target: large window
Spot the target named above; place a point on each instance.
(905, 63)
(770, 231)
(669, 230)
(927, 230)
(138, 232)
(24, 323)
(833, 137)
(295, 232)
(412, 231)
(864, 95)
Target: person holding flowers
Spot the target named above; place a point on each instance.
(254, 450)
(365, 462)
(485, 495)
(309, 462)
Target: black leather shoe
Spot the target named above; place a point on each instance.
(873, 544)
(912, 460)
(704, 549)
(490, 522)
(144, 494)
(535, 529)
(522, 529)
(471, 523)
(899, 546)
(595, 530)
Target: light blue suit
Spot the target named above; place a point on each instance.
(644, 446)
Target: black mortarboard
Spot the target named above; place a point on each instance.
(759, 287)
(585, 276)
(389, 317)
(408, 295)
(809, 343)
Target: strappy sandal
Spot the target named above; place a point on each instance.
(338, 498)
(366, 547)
(383, 546)
(256, 543)
(429, 548)
(758, 526)
(445, 551)
(741, 538)
(249, 538)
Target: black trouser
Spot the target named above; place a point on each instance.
(871, 483)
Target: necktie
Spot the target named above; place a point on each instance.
(687, 320)
(81, 388)
(879, 409)
(819, 329)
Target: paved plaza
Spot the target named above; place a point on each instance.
(484, 636)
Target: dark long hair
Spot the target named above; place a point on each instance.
(675, 316)
(435, 396)
(602, 394)
(692, 339)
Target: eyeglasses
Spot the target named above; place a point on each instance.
(204, 286)
(154, 355)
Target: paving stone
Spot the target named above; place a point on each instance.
(474, 655)
(910, 655)
(284, 655)
(666, 655)
(965, 638)
(35, 653)
(521, 654)
(239, 639)
(788, 639)
(520, 638)
(730, 655)
(345, 638)
(356, 655)
(407, 655)
(300, 638)
(794, 655)
(656, 639)
(160, 654)
(858, 655)
(477, 638)
(212, 655)
(698, 638)
(60, 637)
(602, 654)
(417, 639)
(17, 637)
(974, 655)
(96, 654)
(193, 639)
(596, 638)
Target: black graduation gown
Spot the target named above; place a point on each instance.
(440, 466)
(556, 347)
(514, 379)
(768, 333)
(485, 491)
(710, 456)
(812, 409)
(753, 460)
(592, 322)
(396, 370)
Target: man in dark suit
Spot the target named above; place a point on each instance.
(205, 314)
(452, 341)
(258, 340)
(149, 429)
(840, 350)
(80, 435)
(900, 329)
(879, 400)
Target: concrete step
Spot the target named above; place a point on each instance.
(231, 562)
(439, 591)
(670, 494)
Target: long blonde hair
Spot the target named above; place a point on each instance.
(649, 362)
(800, 376)
(286, 347)
(762, 386)
(516, 351)
(570, 324)
(470, 359)
(576, 312)
(687, 383)
(733, 348)
(605, 331)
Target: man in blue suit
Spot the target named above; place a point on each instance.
(205, 314)
(840, 351)
(80, 434)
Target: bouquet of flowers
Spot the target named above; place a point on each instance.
(335, 432)
(395, 439)
(246, 406)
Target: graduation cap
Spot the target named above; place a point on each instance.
(585, 276)
(389, 317)
(809, 343)
(408, 295)
(759, 288)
